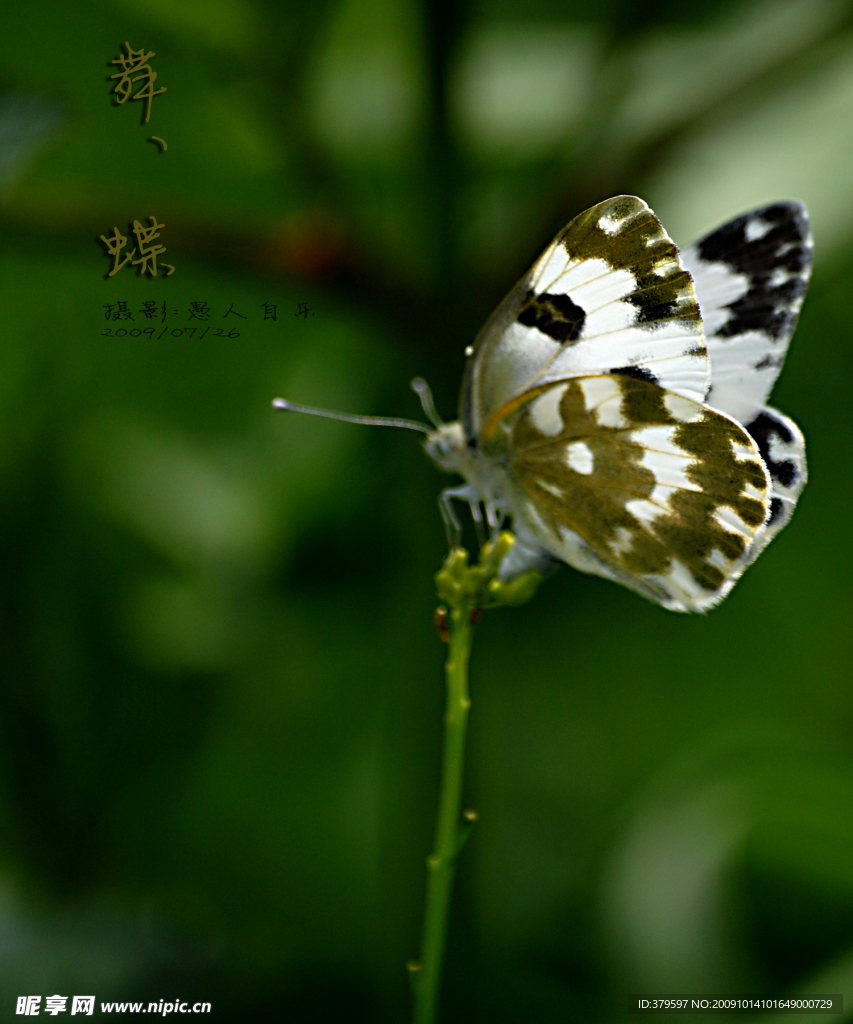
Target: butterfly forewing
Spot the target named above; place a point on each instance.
(751, 275)
(608, 296)
(621, 477)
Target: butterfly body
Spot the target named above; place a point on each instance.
(584, 414)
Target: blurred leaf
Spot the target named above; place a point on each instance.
(522, 88)
(795, 142)
(25, 123)
(676, 74)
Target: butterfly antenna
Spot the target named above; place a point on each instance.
(370, 421)
(421, 389)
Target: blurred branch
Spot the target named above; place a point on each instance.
(606, 169)
(444, 23)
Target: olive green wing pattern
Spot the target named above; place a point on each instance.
(631, 481)
(609, 295)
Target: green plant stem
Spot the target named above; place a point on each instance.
(464, 592)
(449, 834)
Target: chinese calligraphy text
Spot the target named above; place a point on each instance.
(148, 253)
(136, 61)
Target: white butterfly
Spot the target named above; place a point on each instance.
(616, 434)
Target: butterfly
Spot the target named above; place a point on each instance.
(613, 406)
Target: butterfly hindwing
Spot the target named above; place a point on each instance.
(750, 275)
(783, 450)
(609, 295)
(623, 478)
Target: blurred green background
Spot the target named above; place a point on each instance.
(220, 713)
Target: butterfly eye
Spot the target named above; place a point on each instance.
(436, 448)
(446, 445)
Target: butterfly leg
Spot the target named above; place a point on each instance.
(477, 516)
(451, 523)
(494, 518)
